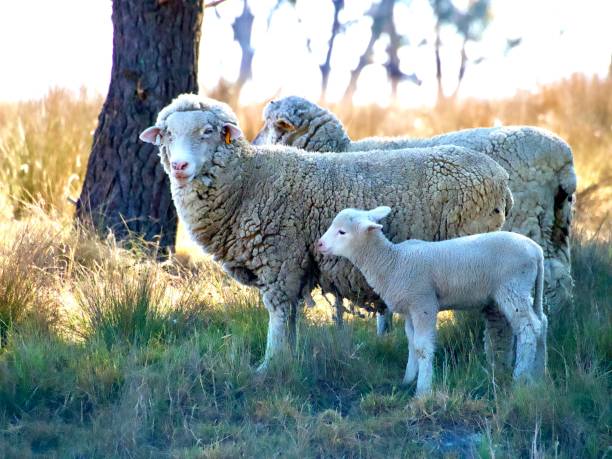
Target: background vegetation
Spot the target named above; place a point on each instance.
(107, 353)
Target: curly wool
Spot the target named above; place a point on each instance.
(260, 210)
(540, 166)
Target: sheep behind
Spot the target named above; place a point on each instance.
(539, 163)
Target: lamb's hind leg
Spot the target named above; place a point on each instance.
(424, 317)
(517, 307)
(412, 365)
(541, 351)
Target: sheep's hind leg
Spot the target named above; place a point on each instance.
(412, 365)
(499, 341)
(384, 322)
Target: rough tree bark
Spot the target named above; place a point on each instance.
(155, 55)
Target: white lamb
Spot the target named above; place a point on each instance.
(418, 278)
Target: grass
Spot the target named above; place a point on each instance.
(139, 359)
(106, 353)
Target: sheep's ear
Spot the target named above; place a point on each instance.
(151, 135)
(370, 227)
(284, 125)
(379, 213)
(231, 132)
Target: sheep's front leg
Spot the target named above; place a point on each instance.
(338, 311)
(499, 341)
(281, 327)
(526, 327)
(424, 323)
(384, 322)
(412, 365)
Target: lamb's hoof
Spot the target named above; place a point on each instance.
(422, 393)
(263, 368)
(408, 380)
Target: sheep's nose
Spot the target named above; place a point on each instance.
(179, 165)
(319, 244)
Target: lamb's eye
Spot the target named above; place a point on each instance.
(341, 232)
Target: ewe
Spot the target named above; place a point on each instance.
(418, 279)
(260, 210)
(539, 163)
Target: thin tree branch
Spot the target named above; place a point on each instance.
(213, 3)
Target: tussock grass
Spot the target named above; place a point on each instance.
(164, 367)
(106, 352)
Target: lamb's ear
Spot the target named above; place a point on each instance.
(231, 132)
(370, 227)
(379, 213)
(284, 125)
(151, 135)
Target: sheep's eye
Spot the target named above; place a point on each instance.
(283, 125)
(341, 232)
(206, 132)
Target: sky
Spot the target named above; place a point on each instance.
(68, 43)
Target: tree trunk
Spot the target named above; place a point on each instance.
(441, 97)
(326, 66)
(380, 14)
(155, 55)
(462, 66)
(243, 26)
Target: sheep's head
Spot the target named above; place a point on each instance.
(350, 229)
(295, 121)
(188, 132)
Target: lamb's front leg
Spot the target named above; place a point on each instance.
(412, 365)
(424, 323)
(281, 327)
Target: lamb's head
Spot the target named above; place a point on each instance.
(350, 229)
(188, 132)
(300, 123)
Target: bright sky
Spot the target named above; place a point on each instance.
(68, 43)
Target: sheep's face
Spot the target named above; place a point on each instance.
(285, 121)
(350, 230)
(188, 140)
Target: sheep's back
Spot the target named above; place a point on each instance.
(435, 194)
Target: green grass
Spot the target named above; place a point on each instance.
(157, 361)
(106, 353)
